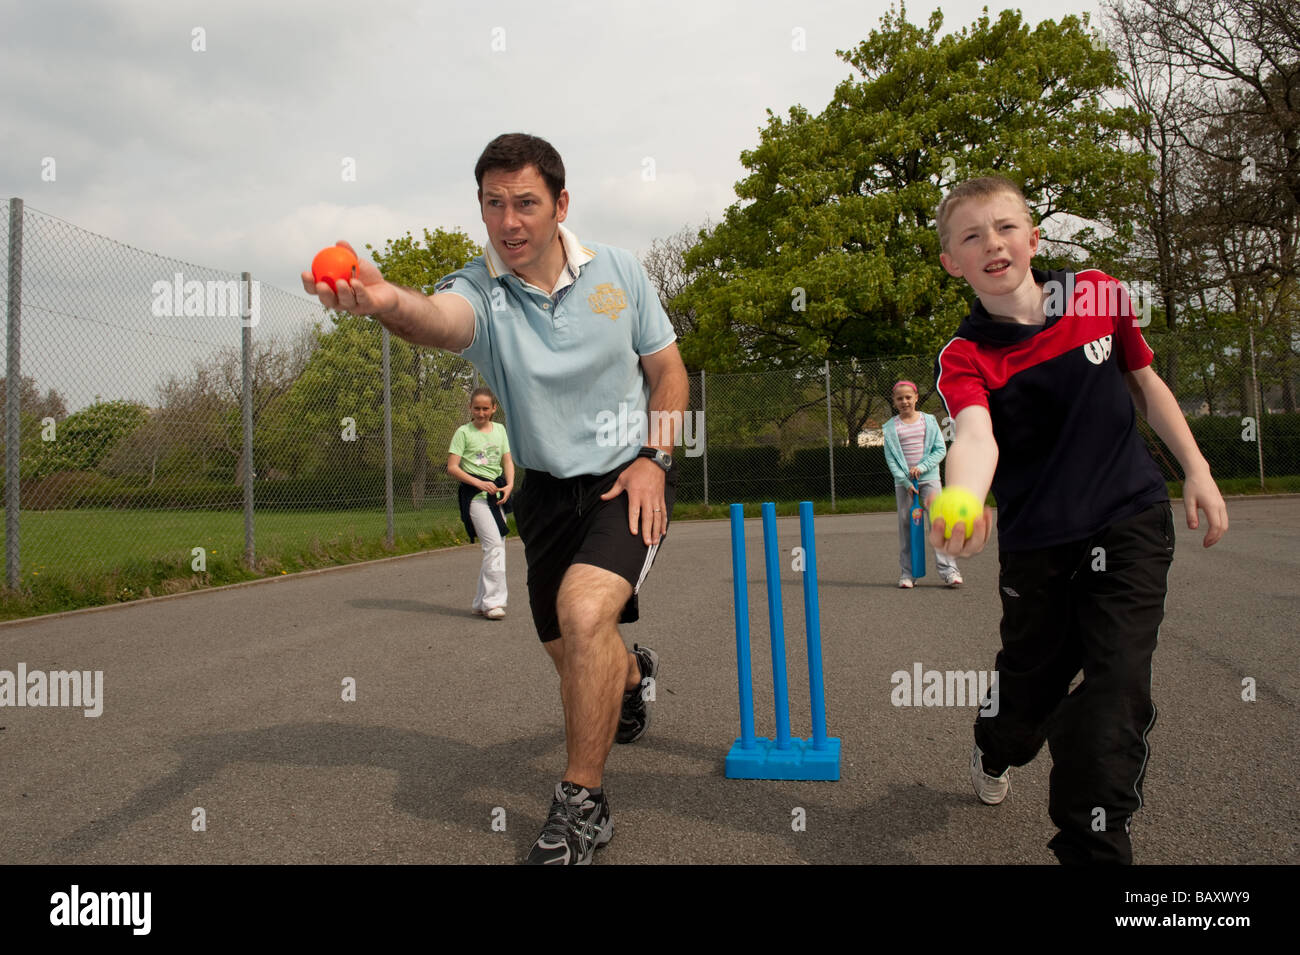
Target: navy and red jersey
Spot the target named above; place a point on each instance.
(1070, 459)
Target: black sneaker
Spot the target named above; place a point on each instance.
(634, 719)
(576, 827)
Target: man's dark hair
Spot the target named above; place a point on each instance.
(511, 152)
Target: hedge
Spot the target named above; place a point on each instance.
(735, 474)
(1233, 456)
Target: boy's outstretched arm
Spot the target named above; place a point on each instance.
(972, 459)
(1157, 404)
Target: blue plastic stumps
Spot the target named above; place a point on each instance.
(800, 761)
(786, 757)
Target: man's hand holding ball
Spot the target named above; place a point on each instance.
(342, 281)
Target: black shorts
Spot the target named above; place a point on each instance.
(563, 521)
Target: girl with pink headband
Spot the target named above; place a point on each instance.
(914, 447)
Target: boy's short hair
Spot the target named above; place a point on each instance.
(514, 151)
(984, 187)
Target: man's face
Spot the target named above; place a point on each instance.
(990, 244)
(904, 400)
(521, 218)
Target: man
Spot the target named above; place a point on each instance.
(566, 335)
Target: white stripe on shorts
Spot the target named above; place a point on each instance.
(645, 568)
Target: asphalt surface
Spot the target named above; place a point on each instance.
(231, 701)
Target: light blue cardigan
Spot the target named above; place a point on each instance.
(935, 451)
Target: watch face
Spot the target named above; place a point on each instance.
(661, 458)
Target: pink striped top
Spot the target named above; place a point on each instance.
(912, 437)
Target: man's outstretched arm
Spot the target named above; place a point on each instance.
(436, 321)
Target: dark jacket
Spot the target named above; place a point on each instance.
(468, 494)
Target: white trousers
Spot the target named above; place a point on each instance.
(492, 575)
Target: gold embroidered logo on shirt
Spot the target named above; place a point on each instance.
(607, 300)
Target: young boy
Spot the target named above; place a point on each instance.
(1041, 381)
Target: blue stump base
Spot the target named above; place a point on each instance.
(800, 761)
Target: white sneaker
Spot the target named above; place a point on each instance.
(496, 613)
(991, 789)
(905, 583)
(954, 581)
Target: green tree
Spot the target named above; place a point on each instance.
(831, 250)
(35, 410)
(85, 439)
(343, 381)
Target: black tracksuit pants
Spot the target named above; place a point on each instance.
(1093, 605)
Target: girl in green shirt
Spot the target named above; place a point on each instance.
(479, 454)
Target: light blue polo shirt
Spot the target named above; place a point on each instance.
(563, 365)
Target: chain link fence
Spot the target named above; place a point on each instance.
(816, 433)
(178, 426)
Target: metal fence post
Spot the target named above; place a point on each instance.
(830, 440)
(13, 369)
(704, 416)
(388, 441)
(1259, 408)
(246, 360)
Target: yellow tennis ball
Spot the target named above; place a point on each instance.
(954, 505)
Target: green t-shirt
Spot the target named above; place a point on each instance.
(481, 451)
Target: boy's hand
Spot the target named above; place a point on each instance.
(959, 545)
(1200, 491)
(1157, 404)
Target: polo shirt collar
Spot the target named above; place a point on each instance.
(981, 326)
(577, 254)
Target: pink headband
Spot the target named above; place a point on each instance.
(904, 382)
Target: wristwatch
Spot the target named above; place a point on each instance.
(661, 458)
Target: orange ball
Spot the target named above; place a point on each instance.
(335, 264)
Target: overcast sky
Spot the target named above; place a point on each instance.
(232, 157)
